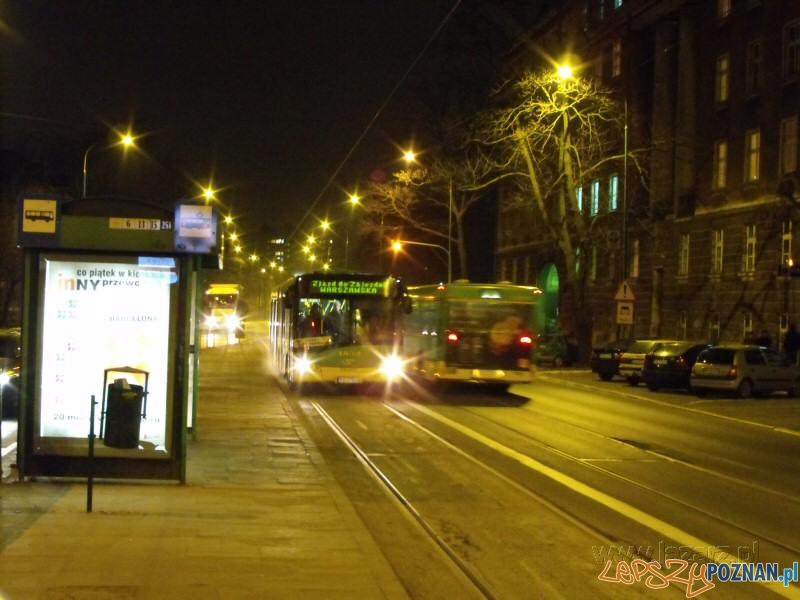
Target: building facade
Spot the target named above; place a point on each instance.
(711, 94)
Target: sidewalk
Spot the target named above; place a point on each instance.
(260, 516)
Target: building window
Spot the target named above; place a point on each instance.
(791, 49)
(749, 258)
(754, 67)
(720, 167)
(786, 242)
(613, 192)
(788, 145)
(634, 271)
(594, 207)
(616, 58)
(723, 8)
(747, 326)
(713, 328)
(683, 258)
(717, 251)
(752, 155)
(682, 325)
(618, 4)
(579, 198)
(593, 268)
(722, 78)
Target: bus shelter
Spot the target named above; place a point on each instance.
(110, 286)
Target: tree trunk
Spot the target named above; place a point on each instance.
(462, 247)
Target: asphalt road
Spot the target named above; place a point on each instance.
(534, 490)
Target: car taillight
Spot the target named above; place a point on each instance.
(525, 339)
(732, 373)
(452, 337)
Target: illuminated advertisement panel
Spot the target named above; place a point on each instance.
(97, 315)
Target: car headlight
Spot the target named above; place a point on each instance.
(392, 366)
(212, 321)
(302, 365)
(233, 322)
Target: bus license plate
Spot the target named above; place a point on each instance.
(348, 380)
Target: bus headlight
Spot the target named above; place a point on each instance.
(392, 366)
(302, 365)
(212, 322)
(233, 322)
(5, 378)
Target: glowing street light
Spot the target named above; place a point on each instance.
(307, 249)
(237, 248)
(126, 140)
(228, 220)
(234, 236)
(354, 199)
(325, 225)
(311, 239)
(273, 264)
(209, 193)
(409, 156)
(564, 72)
(253, 257)
(397, 246)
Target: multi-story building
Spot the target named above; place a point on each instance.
(712, 95)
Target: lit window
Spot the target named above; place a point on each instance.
(594, 207)
(723, 8)
(616, 58)
(635, 259)
(788, 146)
(722, 78)
(618, 4)
(579, 198)
(683, 259)
(754, 67)
(749, 258)
(720, 174)
(613, 192)
(791, 49)
(717, 251)
(786, 242)
(752, 155)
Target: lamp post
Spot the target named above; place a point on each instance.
(126, 140)
(397, 246)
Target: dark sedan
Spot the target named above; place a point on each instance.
(670, 365)
(605, 359)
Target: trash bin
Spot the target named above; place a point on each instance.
(123, 414)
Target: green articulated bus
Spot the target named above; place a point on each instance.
(338, 328)
(476, 332)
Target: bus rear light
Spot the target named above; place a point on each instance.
(525, 340)
(452, 337)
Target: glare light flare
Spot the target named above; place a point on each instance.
(564, 72)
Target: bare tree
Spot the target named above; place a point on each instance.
(431, 198)
(555, 135)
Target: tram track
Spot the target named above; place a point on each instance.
(644, 487)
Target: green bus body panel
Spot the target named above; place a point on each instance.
(355, 356)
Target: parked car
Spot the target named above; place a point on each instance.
(556, 349)
(605, 359)
(744, 370)
(631, 362)
(670, 364)
(10, 353)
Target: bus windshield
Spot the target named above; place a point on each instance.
(221, 301)
(346, 321)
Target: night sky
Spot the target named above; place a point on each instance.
(266, 98)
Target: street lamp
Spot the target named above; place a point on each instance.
(209, 193)
(397, 246)
(409, 156)
(126, 140)
(354, 201)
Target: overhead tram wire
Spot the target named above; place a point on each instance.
(375, 117)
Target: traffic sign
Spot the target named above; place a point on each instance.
(625, 292)
(624, 313)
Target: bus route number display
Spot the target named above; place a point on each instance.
(348, 287)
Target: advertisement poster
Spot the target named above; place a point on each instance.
(96, 316)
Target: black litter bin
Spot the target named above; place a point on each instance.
(123, 415)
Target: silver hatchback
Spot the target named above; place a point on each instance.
(744, 370)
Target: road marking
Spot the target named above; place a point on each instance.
(623, 508)
(586, 386)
